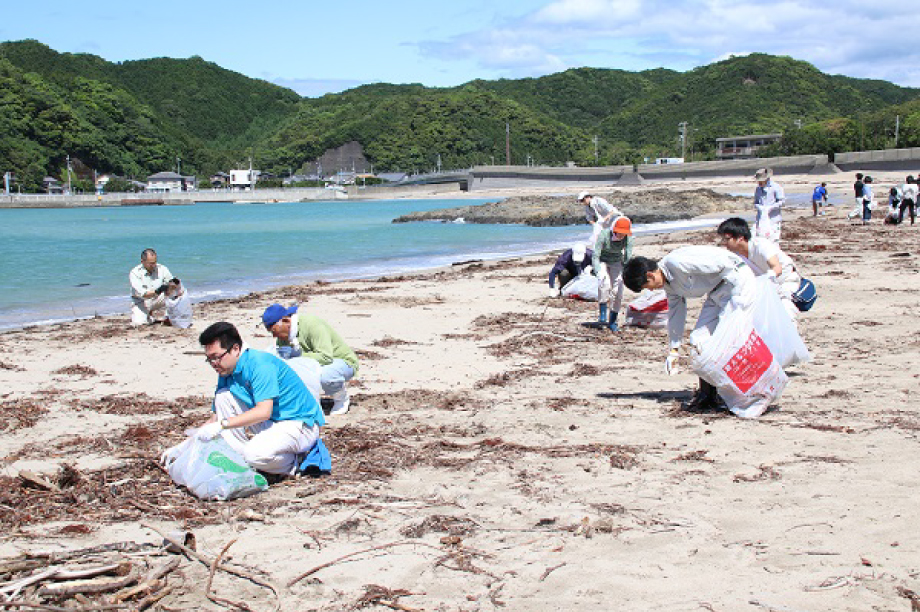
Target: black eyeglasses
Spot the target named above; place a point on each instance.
(217, 358)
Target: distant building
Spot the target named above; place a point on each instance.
(52, 185)
(743, 147)
(164, 182)
(243, 180)
(219, 180)
(392, 177)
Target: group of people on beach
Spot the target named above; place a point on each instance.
(718, 274)
(268, 404)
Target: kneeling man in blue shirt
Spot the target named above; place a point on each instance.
(261, 407)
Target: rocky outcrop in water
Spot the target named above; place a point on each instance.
(647, 206)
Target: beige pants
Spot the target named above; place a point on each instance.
(274, 447)
(148, 311)
(610, 286)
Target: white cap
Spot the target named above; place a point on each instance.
(578, 252)
(583, 195)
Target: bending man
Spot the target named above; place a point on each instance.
(298, 334)
(148, 284)
(261, 407)
(569, 265)
(764, 257)
(693, 272)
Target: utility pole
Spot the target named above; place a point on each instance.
(595, 149)
(683, 138)
(798, 123)
(68, 175)
(508, 143)
(897, 124)
(439, 163)
(179, 166)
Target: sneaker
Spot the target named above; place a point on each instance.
(340, 406)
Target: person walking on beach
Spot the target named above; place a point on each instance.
(692, 272)
(909, 192)
(599, 213)
(261, 407)
(299, 334)
(569, 265)
(148, 285)
(769, 198)
(867, 202)
(858, 189)
(763, 257)
(819, 198)
(611, 252)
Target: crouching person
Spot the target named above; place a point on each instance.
(693, 272)
(764, 257)
(261, 407)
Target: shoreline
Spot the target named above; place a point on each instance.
(487, 421)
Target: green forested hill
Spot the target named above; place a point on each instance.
(407, 127)
(135, 118)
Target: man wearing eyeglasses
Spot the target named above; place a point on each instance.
(303, 334)
(261, 407)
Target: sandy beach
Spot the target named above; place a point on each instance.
(498, 453)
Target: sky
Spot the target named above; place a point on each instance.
(321, 47)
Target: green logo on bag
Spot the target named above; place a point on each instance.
(220, 460)
(260, 481)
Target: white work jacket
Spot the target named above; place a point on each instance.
(693, 272)
(768, 202)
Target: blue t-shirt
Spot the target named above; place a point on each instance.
(260, 376)
(820, 193)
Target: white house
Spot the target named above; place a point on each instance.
(170, 181)
(243, 179)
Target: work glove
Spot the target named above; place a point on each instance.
(172, 453)
(589, 269)
(553, 292)
(208, 431)
(670, 364)
(772, 276)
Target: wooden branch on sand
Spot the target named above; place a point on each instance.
(355, 554)
(230, 570)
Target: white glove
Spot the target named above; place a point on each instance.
(588, 269)
(670, 364)
(209, 431)
(172, 453)
(553, 292)
(772, 276)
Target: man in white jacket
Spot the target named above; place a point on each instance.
(599, 213)
(693, 272)
(148, 283)
(764, 257)
(769, 198)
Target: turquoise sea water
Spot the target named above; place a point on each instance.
(63, 264)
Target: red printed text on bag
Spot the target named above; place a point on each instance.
(750, 362)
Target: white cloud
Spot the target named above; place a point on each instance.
(848, 37)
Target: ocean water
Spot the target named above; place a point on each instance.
(64, 264)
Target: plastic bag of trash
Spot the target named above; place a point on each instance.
(309, 371)
(212, 470)
(650, 309)
(745, 355)
(582, 287)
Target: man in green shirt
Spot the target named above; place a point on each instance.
(306, 335)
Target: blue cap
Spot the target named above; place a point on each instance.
(275, 313)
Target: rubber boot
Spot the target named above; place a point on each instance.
(602, 316)
(704, 398)
(613, 322)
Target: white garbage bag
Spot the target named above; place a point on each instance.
(745, 355)
(650, 309)
(582, 287)
(212, 470)
(309, 371)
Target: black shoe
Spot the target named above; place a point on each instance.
(700, 402)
